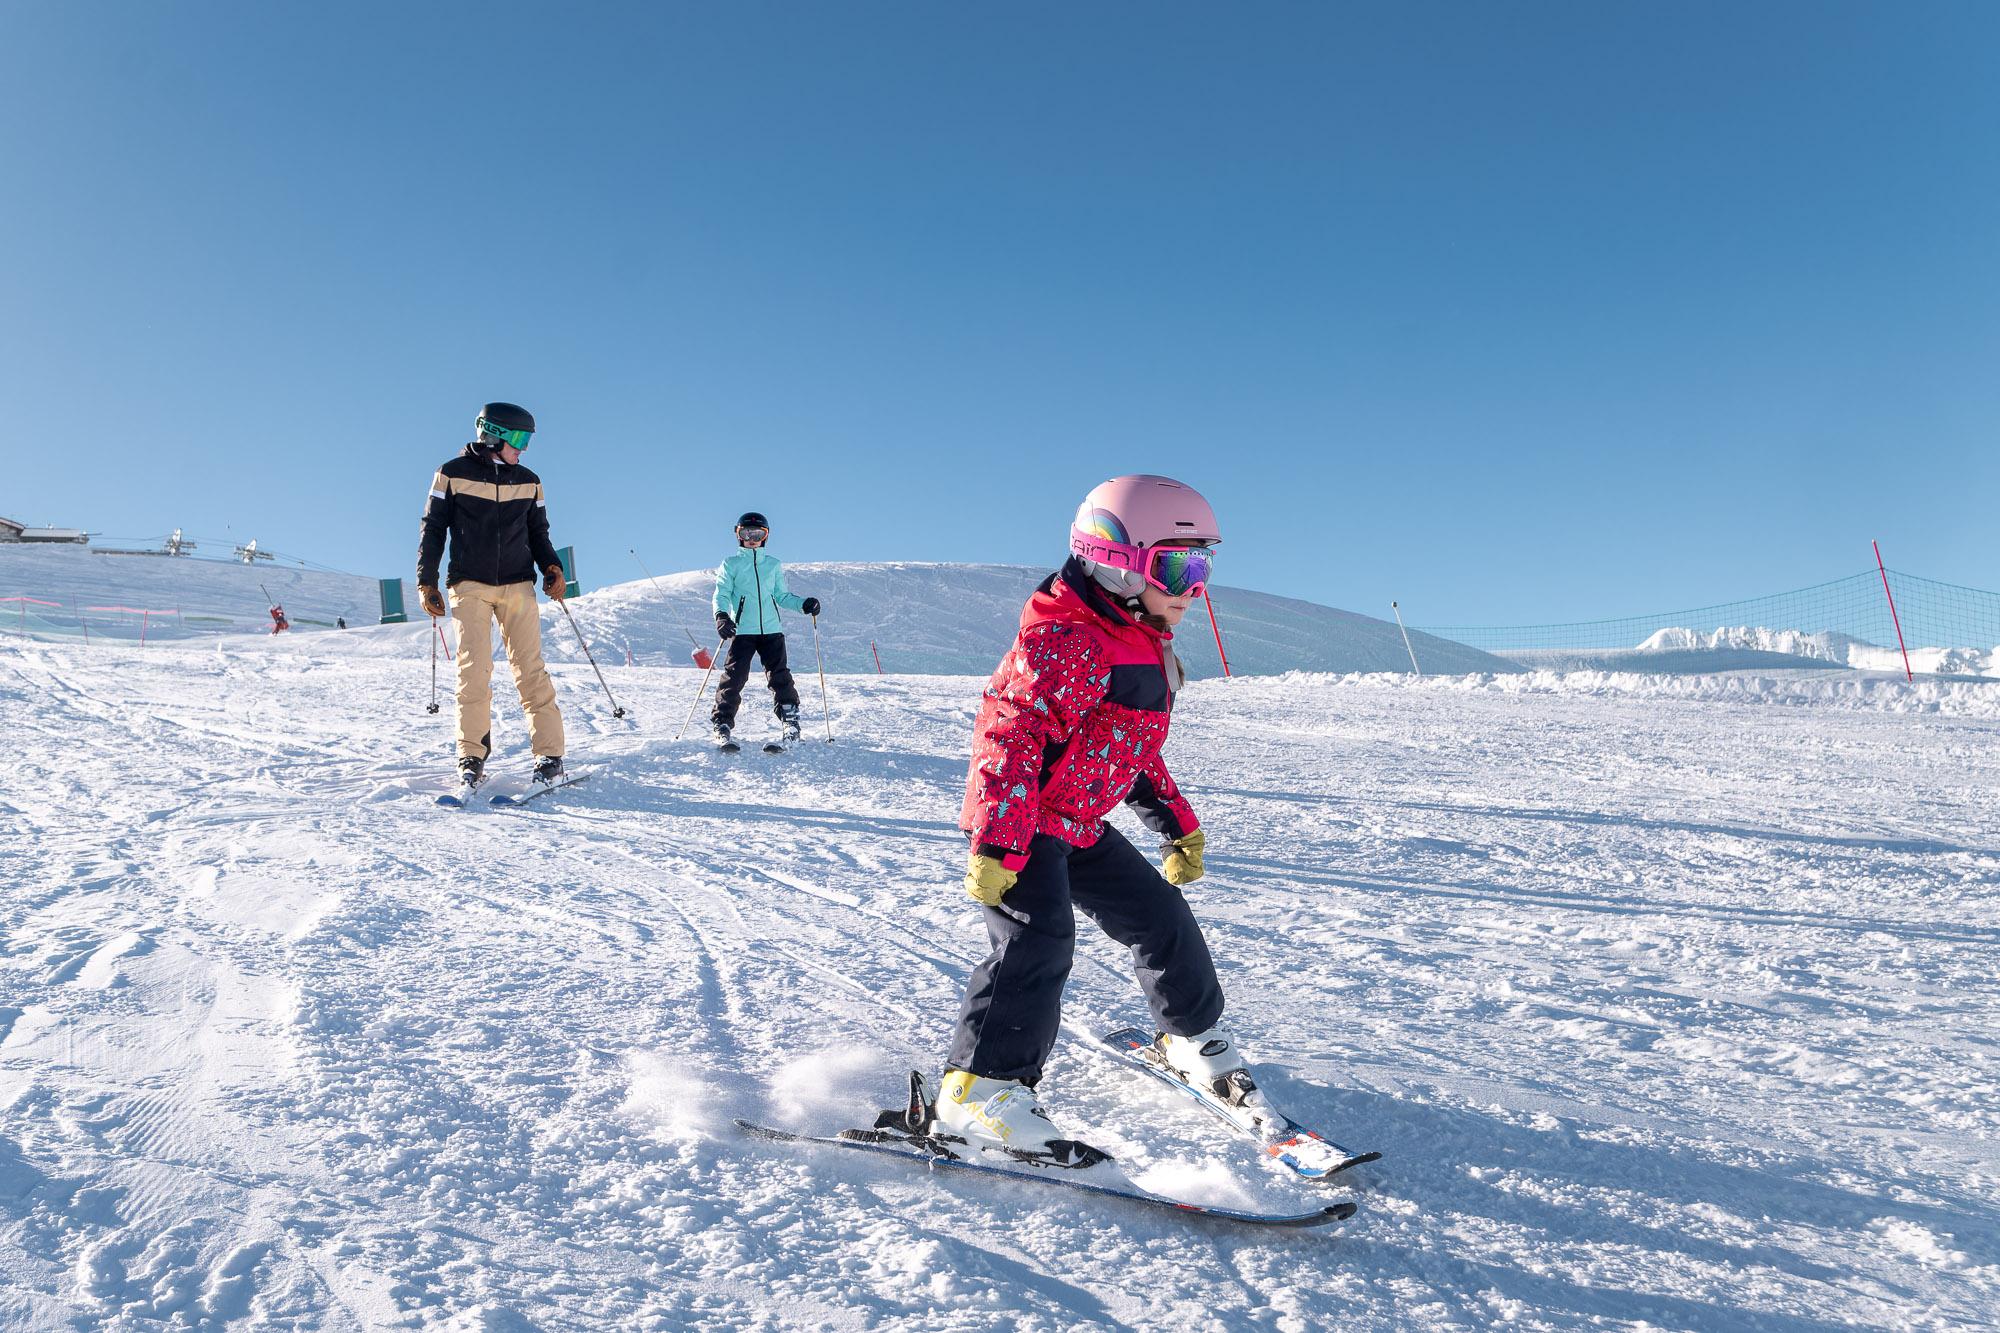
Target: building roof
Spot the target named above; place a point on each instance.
(10, 523)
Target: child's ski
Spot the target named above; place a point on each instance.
(1305, 1153)
(932, 1153)
(537, 790)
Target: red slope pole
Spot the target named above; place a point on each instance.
(878, 656)
(1898, 620)
(1220, 651)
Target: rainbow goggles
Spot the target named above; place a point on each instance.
(1179, 571)
(516, 440)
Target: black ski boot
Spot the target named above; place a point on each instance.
(548, 768)
(471, 771)
(789, 715)
(723, 740)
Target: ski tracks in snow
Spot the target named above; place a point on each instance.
(1665, 1010)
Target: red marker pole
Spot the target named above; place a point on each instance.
(1220, 651)
(1894, 618)
(878, 656)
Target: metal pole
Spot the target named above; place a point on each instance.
(1406, 639)
(656, 588)
(703, 689)
(436, 639)
(1208, 602)
(700, 691)
(825, 714)
(1907, 674)
(616, 710)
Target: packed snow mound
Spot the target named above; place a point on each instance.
(948, 619)
(183, 596)
(1825, 646)
(1687, 652)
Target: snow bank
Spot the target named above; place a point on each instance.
(1681, 651)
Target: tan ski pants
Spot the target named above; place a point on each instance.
(475, 607)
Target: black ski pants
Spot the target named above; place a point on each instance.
(1013, 1003)
(769, 649)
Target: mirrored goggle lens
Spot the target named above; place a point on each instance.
(513, 439)
(1180, 569)
(753, 534)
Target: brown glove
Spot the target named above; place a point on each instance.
(554, 583)
(432, 599)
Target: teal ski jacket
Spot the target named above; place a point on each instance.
(749, 589)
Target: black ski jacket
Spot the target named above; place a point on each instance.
(497, 518)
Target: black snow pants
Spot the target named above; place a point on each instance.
(770, 649)
(1013, 1003)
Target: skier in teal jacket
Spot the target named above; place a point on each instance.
(749, 591)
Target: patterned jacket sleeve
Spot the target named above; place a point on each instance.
(1157, 799)
(1054, 676)
(437, 522)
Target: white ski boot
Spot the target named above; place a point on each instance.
(1209, 1061)
(1002, 1115)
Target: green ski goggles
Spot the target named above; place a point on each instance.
(516, 440)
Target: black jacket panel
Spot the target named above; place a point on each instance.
(497, 520)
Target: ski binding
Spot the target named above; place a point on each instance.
(1305, 1153)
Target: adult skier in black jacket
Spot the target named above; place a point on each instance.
(494, 513)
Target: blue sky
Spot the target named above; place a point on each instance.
(1514, 312)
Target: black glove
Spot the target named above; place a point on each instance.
(810, 606)
(724, 625)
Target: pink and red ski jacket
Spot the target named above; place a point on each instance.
(1073, 722)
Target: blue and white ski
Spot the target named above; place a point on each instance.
(930, 1152)
(1305, 1153)
(537, 790)
(457, 798)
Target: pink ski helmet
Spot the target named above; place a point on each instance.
(1155, 529)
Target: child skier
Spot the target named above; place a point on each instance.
(494, 512)
(1072, 724)
(749, 589)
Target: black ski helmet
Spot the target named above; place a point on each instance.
(753, 519)
(502, 416)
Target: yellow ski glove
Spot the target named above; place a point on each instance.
(987, 880)
(1182, 863)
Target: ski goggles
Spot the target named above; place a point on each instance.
(1179, 571)
(516, 440)
(753, 534)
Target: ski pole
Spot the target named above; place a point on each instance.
(824, 715)
(616, 711)
(437, 637)
(704, 678)
(703, 690)
(656, 588)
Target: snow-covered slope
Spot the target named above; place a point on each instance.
(922, 618)
(190, 597)
(958, 619)
(1671, 1003)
